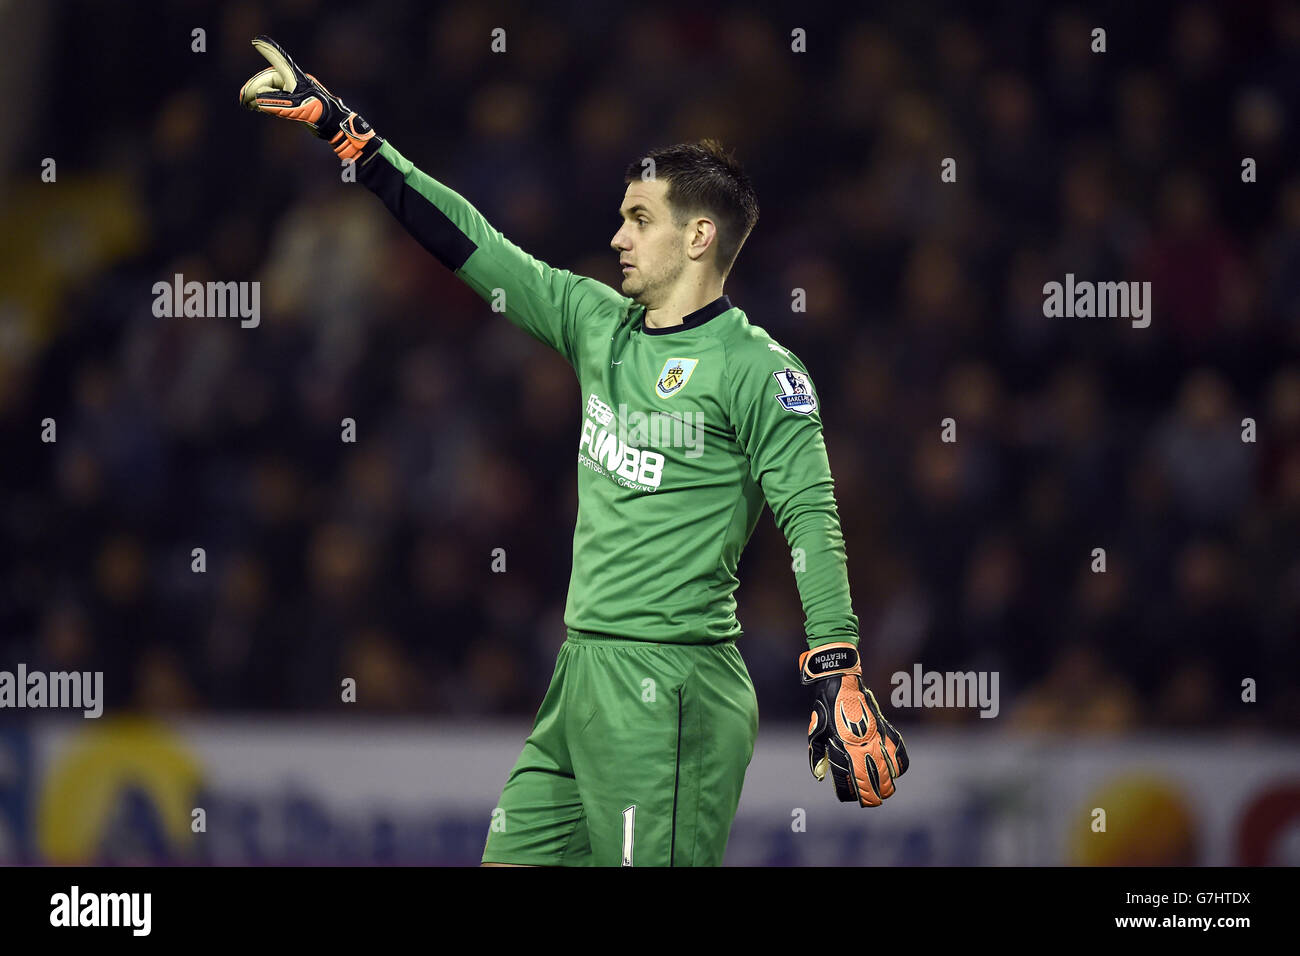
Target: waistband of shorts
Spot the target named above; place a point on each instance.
(591, 637)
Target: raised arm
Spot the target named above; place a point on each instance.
(544, 301)
(547, 303)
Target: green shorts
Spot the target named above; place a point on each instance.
(636, 758)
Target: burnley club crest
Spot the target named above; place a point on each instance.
(676, 373)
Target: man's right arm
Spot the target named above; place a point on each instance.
(547, 303)
(550, 304)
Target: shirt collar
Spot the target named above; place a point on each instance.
(701, 315)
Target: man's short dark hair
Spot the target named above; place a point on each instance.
(704, 178)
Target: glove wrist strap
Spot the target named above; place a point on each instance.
(355, 139)
(829, 660)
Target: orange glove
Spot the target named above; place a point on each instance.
(847, 730)
(284, 90)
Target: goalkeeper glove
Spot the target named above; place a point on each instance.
(847, 730)
(285, 90)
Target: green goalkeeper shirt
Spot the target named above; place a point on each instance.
(686, 432)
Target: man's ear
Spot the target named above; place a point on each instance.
(704, 236)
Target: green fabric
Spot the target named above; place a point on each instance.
(671, 483)
(667, 729)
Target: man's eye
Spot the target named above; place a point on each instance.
(641, 222)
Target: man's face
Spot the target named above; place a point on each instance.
(650, 245)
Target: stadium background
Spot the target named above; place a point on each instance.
(924, 302)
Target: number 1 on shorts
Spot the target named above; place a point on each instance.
(629, 831)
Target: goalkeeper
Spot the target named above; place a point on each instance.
(640, 746)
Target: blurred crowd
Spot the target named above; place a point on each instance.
(373, 560)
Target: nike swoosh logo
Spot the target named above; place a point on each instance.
(619, 362)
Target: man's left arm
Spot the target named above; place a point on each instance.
(777, 417)
(776, 414)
